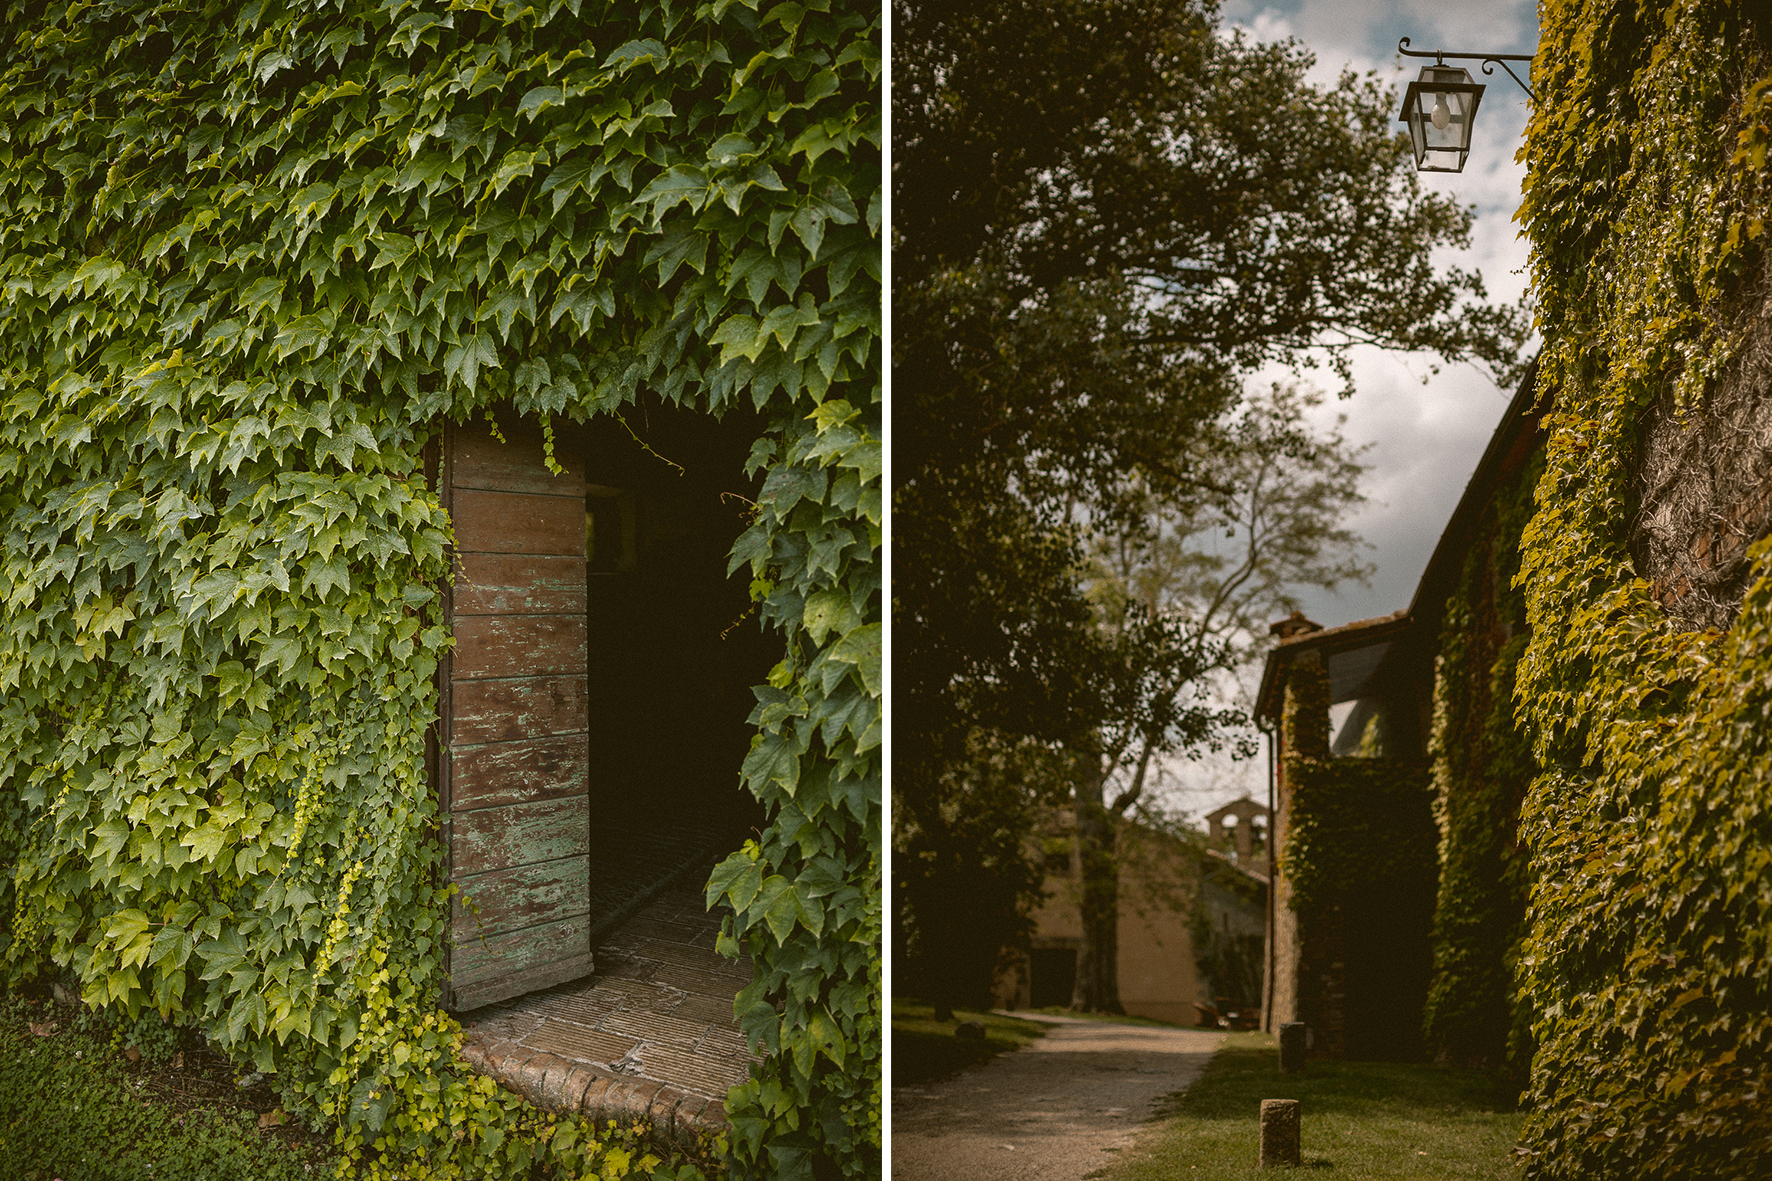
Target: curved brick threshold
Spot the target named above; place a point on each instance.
(648, 1038)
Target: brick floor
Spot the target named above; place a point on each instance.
(652, 1029)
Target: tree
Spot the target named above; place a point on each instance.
(1187, 591)
(1105, 213)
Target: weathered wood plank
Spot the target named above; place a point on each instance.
(488, 839)
(519, 584)
(525, 707)
(510, 899)
(518, 646)
(520, 772)
(516, 465)
(518, 523)
(500, 966)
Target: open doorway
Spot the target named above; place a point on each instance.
(674, 647)
(594, 706)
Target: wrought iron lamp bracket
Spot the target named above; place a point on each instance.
(1489, 60)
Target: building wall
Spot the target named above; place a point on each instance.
(1303, 730)
(1158, 974)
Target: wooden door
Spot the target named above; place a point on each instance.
(515, 772)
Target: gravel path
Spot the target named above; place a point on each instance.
(1054, 1110)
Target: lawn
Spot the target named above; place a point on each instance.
(1360, 1119)
(86, 1098)
(924, 1049)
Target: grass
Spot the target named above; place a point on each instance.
(85, 1098)
(924, 1049)
(1360, 1120)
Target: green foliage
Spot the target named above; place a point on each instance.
(1482, 765)
(251, 256)
(70, 1109)
(1647, 963)
(1362, 1120)
(969, 841)
(1358, 831)
(924, 1049)
(1231, 957)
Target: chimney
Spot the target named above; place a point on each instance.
(1294, 624)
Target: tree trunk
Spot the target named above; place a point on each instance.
(1097, 987)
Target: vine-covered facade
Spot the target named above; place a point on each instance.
(1401, 885)
(1600, 705)
(1647, 960)
(256, 258)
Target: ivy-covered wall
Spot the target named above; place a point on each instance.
(1354, 880)
(1359, 856)
(252, 254)
(1648, 959)
(1482, 766)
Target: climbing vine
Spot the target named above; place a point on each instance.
(1359, 831)
(252, 255)
(1647, 963)
(1482, 765)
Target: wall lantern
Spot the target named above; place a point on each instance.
(1440, 106)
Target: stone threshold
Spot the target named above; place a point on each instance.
(553, 1083)
(648, 1038)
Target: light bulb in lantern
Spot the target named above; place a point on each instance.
(1441, 115)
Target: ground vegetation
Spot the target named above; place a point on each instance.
(926, 1049)
(1360, 1119)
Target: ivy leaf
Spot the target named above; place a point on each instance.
(637, 53)
(785, 486)
(540, 99)
(829, 610)
(778, 905)
(171, 946)
(828, 1036)
(112, 834)
(862, 648)
(577, 174)
(223, 954)
(463, 360)
(807, 222)
(676, 247)
(206, 841)
(680, 184)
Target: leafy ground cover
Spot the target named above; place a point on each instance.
(1361, 1120)
(924, 1049)
(86, 1098)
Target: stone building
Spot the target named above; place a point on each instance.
(1185, 915)
(1354, 962)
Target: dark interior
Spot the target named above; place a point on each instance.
(675, 646)
(1053, 974)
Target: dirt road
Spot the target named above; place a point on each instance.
(1053, 1111)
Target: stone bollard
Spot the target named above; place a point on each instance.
(1279, 1132)
(1292, 1044)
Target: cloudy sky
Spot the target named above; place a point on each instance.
(1426, 438)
